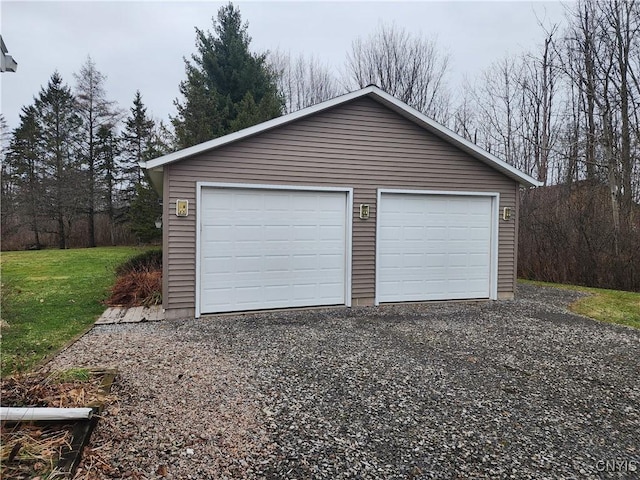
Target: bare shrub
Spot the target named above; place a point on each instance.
(139, 281)
(137, 288)
(566, 235)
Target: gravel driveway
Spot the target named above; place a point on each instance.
(511, 389)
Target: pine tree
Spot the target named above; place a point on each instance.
(21, 176)
(142, 140)
(137, 139)
(145, 210)
(63, 178)
(227, 86)
(7, 179)
(23, 164)
(107, 150)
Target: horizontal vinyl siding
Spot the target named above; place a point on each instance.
(362, 145)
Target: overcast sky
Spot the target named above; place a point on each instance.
(141, 45)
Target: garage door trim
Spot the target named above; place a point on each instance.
(348, 227)
(495, 203)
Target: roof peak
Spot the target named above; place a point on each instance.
(377, 94)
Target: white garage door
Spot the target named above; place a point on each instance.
(434, 247)
(271, 248)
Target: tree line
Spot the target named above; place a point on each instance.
(567, 113)
(72, 164)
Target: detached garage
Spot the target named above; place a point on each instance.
(360, 200)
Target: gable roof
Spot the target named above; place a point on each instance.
(372, 92)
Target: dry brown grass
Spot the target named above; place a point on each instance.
(30, 449)
(38, 390)
(141, 287)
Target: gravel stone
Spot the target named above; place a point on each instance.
(511, 389)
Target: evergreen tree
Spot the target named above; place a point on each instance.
(142, 140)
(137, 139)
(24, 168)
(227, 86)
(63, 179)
(145, 210)
(7, 179)
(96, 111)
(107, 151)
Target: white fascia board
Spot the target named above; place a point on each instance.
(262, 127)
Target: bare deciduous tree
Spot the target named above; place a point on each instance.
(499, 103)
(303, 81)
(621, 22)
(409, 67)
(95, 111)
(538, 83)
(581, 45)
(465, 115)
(595, 215)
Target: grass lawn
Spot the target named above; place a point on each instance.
(50, 296)
(612, 306)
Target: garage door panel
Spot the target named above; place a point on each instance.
(411, 260)
(332, 234)
(479, 259)
(389, 261)
(276, 263)
(246, 294)
(331, 261)
(479, 233)
(269, 233)
(435, 233)
(330, 290)
(304, 262)
(413, 233)
(278, 292)
(305, 232)
(460, 260)
(262, 248)
(248, 264)
(433, 247)
(458, 229)
(244, 231)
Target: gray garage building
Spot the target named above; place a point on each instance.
(359, 200)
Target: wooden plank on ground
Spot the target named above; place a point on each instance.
(107, 316)
(133, 315)
(118, 314)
